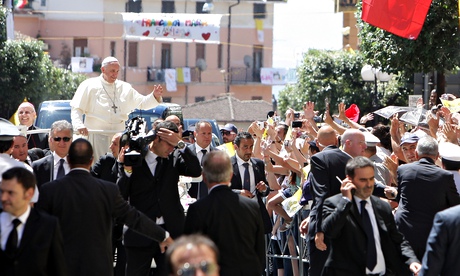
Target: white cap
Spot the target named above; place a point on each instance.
(7, 130)
(108, 60)
(449, 151)
(371, 139)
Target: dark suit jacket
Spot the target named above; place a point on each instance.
(424, 189)
(106, 168)
(40, 251)
(198, 186)
(44, 170)
(343, 225)
(38, 140)
(258, 167)
(86, 207)
(158, 195)
(441, 255)
(325, 167)
(234, 223)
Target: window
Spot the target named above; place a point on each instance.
(259, 11)
(200, 50)
(199, 7)
(257, 57)
(43, 3)
(256, 98)
(219, 56)
(80, 47)
(133, 6)
(167, 99)
(168, 7)
(132, 54)
(165, 55)
(199, 99)
(112, 48)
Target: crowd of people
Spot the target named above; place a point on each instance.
(372, 200)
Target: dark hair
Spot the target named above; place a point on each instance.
(168, 125)
(23, 176)
(6, 145)
(357, 163)
(285, 127)
(195, 240)
(242, 135)
(80, 152)
(383, 133)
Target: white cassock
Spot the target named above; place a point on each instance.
(106, 107)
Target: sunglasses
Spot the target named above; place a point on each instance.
(190, 270)
(58, 139)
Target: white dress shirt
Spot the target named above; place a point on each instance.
(199, 153)
(57, 158)
(6, 225)
(380, 266)
(252, 180)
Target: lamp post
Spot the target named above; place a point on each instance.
(371, 74)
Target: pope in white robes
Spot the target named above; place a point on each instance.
(106, 103)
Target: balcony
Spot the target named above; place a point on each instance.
(238, 75)
(242, 75)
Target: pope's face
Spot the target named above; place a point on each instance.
(110, 72)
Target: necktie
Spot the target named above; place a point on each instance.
(202, 157)
(158, 167)
(60, 172)
(247, 181)
(371, 251)
(12, 242)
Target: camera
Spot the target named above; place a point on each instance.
(296, 115)
(296, 124)
(136, 137)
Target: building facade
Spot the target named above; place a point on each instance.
(94, 28)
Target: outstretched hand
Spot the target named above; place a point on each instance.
(157, 91)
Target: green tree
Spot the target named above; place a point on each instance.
(334, 77)
(27, 72)
(435, 49)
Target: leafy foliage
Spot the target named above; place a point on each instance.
(436, 48)
(334, 77)
(27, 72)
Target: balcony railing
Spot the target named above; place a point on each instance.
(238, 75)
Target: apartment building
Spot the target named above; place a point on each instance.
(95, 28)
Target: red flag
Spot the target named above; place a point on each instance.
(404, 18)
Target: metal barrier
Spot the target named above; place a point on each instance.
(298, 245)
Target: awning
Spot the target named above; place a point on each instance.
(181, 27)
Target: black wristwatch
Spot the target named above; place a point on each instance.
(181, 144)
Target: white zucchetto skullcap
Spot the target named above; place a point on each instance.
(109, 60)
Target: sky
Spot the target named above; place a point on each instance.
(300, 25)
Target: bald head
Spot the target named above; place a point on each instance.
(217, 168)
(354, 142)
(326, 137)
